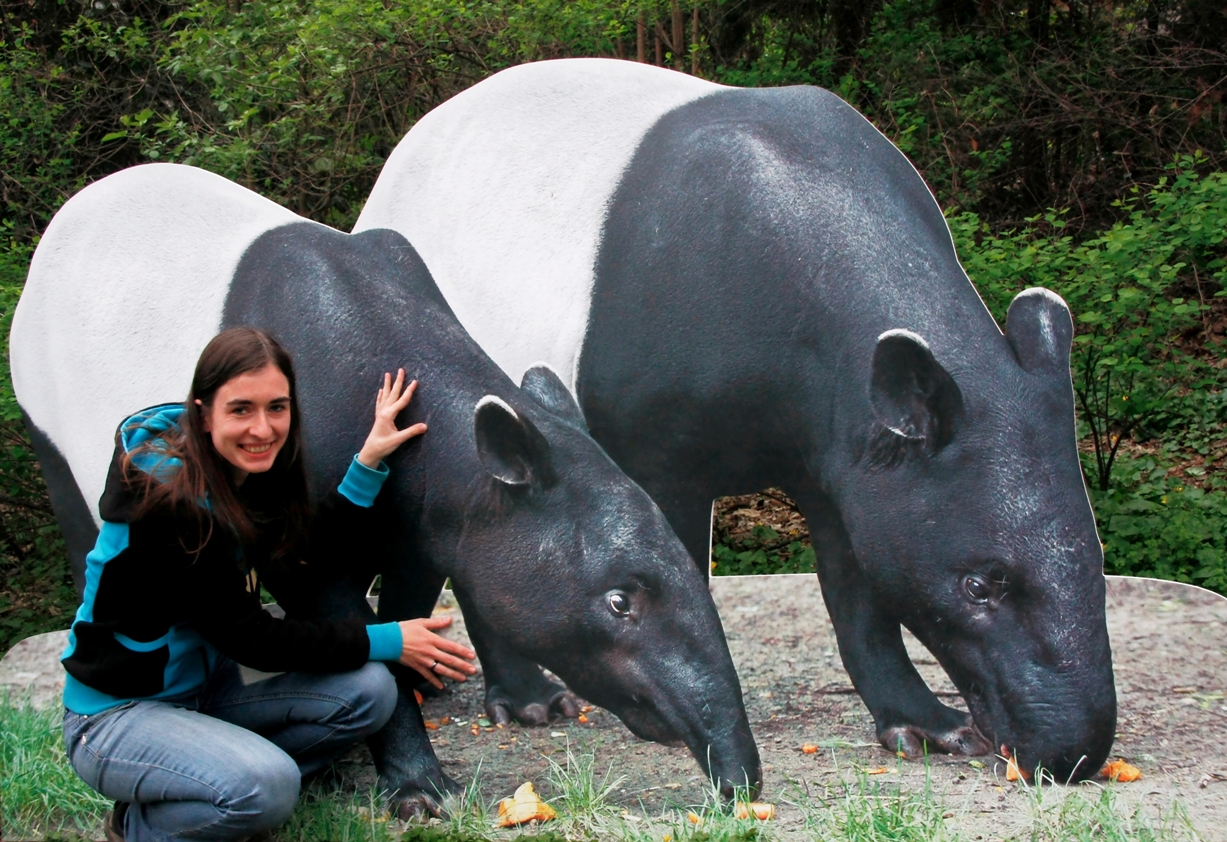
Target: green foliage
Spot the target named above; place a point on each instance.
(1136, 291)
(1004, 113)
(38, 594)
(39, 792)
(1154, 524)
(764, 551)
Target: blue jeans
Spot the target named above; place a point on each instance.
(226, 761)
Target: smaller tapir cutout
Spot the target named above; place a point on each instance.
(502, 490)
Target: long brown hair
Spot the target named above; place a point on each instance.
(204, 475)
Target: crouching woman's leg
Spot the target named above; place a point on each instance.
(312, 717)
(187, 775)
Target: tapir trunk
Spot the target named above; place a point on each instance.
(1068, 723)
(1051, 704)
(702, 710)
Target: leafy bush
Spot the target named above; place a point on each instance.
(1154, 524)
(1137, 292)
(764, 551)
(38, 592)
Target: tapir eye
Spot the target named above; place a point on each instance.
(977, 589)
(620, 604)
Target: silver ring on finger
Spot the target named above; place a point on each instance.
(432, 666)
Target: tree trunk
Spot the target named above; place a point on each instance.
(694, 41)
(678, 34)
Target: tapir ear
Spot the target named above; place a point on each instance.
(512, 449)
(543, 385)
(913, 396)
(1040, 330)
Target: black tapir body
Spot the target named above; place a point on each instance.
(556, 558)
(770, 296)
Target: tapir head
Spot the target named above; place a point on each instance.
(592, 583)
(978, 532)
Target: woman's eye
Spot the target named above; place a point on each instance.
(619, 604)
(977, 589)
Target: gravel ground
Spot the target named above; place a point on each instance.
(1169, 645)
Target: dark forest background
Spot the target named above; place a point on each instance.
(1075, 145)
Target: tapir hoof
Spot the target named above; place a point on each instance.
(912, 740)
(414, 804)
(561, 703)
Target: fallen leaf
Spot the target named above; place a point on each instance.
(523, 807)
(809, 748)
(760, 810)
(1119, 770)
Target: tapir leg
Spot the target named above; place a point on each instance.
(404, 757)
(516, 688)
(906, 713)
(406, 763)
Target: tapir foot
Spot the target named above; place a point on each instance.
(913, 740)
(553, 702)
(417, 804)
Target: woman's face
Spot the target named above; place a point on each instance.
(249, 420)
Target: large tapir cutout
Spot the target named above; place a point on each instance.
(555, 556)
(751, 288)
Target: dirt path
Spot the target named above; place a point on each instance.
(1169, 643)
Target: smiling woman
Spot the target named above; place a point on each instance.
(249, 421)
(202, 495)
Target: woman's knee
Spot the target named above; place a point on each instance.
(264, 794)
(376, 696)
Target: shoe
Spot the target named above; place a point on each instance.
(114, 825)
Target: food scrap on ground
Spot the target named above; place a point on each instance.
(881, 770)
(523, 807)
(760, 810)
(1012, 770)
(1119, 770)
(809, 748)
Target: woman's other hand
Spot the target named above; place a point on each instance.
(384, 438)
(432, 655)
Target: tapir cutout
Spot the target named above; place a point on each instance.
(753, 288)
(556, 558)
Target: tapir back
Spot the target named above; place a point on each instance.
(125, 289)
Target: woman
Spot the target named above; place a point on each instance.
(200, 495)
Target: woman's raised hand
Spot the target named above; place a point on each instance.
(432, 655)
(384, 437)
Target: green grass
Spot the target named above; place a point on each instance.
(42, 798)
(40, 794)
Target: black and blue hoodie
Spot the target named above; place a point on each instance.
(156, 615)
